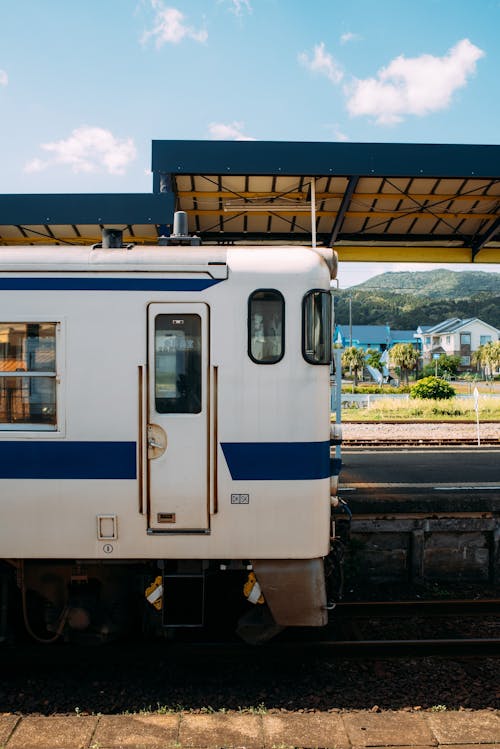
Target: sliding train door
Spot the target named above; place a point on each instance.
(178, 417)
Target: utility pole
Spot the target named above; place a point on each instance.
(350, 320)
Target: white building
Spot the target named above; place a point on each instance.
(456, 337)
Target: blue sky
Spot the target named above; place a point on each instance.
(86, 86)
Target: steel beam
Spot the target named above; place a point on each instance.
(95, 208)
(490, 234)
(325, 159)
(346, 200)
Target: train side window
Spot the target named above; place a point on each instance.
(178, 364)
(316, 327)
(266, 326)
(28, 375)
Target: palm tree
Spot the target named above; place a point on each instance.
(354, 358)
(487, 356)
(405, 356)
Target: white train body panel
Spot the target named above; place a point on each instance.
(85, 487)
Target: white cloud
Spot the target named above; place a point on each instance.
(339, 135)
(35, 165)
(322, 62)
(230, 131)
(88, 149)
(349, 37)
(4, 78)
(238, 6)
(169, 27)
(414, 85)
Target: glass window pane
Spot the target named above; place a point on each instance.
(266, 343)
(178, 364)
(27, 347)
(317, 327)
(27, 400)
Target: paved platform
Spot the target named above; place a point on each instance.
(331, 730)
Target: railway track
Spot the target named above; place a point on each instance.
(345, 665)
(357, 645)
(342, 638)
(418, 442)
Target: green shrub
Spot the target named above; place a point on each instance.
(367, 389)
(432, 387)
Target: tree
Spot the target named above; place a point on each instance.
(405, 356)
(432, 387)
(448, 365)
(487, 357)
(373, 358)
(354, 358)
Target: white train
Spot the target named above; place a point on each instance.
(164, 428)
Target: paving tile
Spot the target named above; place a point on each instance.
(7, 724)
(475, 727)
(228, 731)
(130, 731)
(388, 729)
(470, 746)
(324, 730)
(73, 732)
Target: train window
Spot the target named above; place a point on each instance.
(178, 364)
(28, 375)
(316, 327)
(266, 326)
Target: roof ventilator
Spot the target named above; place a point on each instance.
(112, 239)
(180, 232)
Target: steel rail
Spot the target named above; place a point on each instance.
(425, 608)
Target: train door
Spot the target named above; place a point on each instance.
(178, 418)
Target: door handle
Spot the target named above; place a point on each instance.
(156, 440)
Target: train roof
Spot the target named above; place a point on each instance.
(373, 201)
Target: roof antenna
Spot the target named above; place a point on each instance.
(180, 232)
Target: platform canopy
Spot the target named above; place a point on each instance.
(371, 201)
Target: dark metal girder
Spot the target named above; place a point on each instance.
(105, 208)
(346, 200)
(368, 237)
(479, 242)
(324, 159)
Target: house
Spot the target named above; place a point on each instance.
(375, 337)
(405, 336)
(456, 337)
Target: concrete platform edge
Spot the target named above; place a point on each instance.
(247, 730)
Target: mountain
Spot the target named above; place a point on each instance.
(438, 283)
(408, 299)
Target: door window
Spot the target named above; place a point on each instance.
(178, 364)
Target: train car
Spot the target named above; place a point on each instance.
(164, 429)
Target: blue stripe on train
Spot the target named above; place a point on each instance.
(277, 461)
(106, 284)
(67, 460)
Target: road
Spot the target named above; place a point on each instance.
(463, 479)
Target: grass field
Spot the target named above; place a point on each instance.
(428, 410)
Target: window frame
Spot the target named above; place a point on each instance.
(155, 359)
(58, 429)
(330, 342)
(249, 326)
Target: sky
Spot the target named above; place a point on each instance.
(86, 86)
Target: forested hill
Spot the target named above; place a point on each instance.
(408, 299)
(438, 283)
